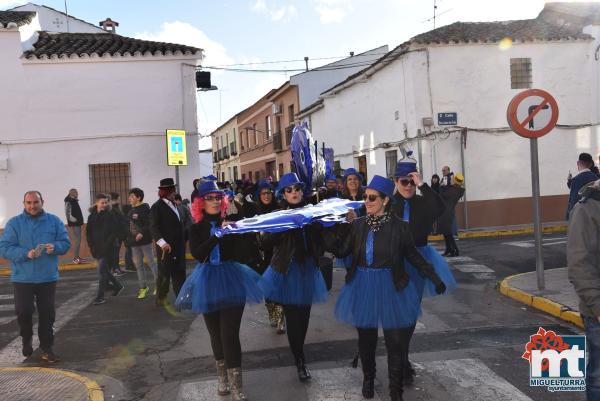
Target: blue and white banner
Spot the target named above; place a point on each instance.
(327, 212)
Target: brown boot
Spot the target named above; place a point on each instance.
(235, 378)
(223, 387)
(280, 319)
(271, 312)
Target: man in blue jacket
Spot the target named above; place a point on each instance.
(32, 242)
(585, 164)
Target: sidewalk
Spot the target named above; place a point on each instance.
(558, 299)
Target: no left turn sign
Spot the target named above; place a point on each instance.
(532, 113)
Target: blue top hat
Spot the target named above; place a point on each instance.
(208, 187)
(210, 178)
(289, 179)
(383, 185)
(352, 171)
(406, 166)
(331, 177)
(262, 184)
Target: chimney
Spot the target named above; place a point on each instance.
(351, 54)
(109, 25)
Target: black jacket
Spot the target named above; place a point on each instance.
(400, 243)
(451, 196)
(424, 210)
(165, 224)
(234, 247)
(102, 231)
(73, 212)
(139, 223)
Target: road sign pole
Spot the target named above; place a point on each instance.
(535, 189)
(177, 179)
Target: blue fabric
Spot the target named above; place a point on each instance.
(576, 184)
(592, 333)
(23, 233)
(371, 300)
(215, 253)
(302, 285)
(424, 286)
(211, 287)
(406, 212)
(369, 247)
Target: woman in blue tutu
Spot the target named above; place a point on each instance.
(378, 291)
(420, 212)
(220, 286)
(293, 278)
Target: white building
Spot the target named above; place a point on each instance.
(89, 109)
(474, 70)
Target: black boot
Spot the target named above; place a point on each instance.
(303, 372)
(409, 374)
(369, 373)
(396, 376)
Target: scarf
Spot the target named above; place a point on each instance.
(376, 222)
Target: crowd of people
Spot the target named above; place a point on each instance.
(287, 270)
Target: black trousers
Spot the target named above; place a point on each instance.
(224, 329)
(450, 243)
(396, 344)
(297, 318)
(44, 296)
(166, 275)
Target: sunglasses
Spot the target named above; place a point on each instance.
(406, 181)
(370, 198)
(217, 198)
(294, 188)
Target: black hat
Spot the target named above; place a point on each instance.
(166, 183)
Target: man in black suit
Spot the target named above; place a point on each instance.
(168, 232)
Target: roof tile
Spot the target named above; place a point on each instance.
(17, 17)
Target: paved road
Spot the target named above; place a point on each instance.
(468, 345)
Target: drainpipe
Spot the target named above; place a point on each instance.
(463, 142)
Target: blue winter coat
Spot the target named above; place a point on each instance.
(23, 233)
(576, 184)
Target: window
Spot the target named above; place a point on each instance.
(244, 177)
(255, 135)
(280, 171)
(250, 175)
(337, 168)
(291, 113)
(292, 167)
(277, 124)
(521, 73)
(391, 158)
(268, 129)
(235, 173)
(242, 139)
(362, 167)
(256, 176)
(112, 177)
(270, 169)
(229, 173)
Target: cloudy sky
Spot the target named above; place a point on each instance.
(278, 34)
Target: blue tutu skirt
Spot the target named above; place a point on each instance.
(425, 286)
(211, 287)
(370, 300)
(302, 285)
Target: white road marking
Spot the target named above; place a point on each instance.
(336, 384)
(7, 307)
(11, 354)
(530, 243)
(459, 259)
(199, 391)
(473, 268)
(7, 296)
(520, 244)
(471, 379)
(554, 243)
(5, 320)
(484, 276)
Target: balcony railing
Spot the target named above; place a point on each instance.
(277, 145)
(232, 149)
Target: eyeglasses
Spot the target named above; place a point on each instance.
(293, 188)
(406, 181)
(217, 198)
(371, 198)
(266, 193)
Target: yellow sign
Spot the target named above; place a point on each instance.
(176, 149)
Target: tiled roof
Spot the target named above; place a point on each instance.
(17, 18)
(56, 11)
(52, 45)
(490, 32)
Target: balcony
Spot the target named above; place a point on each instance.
(277, 145)
(232, 149)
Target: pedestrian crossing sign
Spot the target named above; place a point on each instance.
(176, 148)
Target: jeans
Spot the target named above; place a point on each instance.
(138, 254)
(44, 295)
(105, 278)
(224, 329)
(592, 332)
(76, 240)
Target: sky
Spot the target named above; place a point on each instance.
(249, 32)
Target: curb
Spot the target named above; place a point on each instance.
(503, 233)
(545, 305)
(95, 392)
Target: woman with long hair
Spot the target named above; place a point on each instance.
(220, 286)
(293, 278)
(379, 292)
(352, 185)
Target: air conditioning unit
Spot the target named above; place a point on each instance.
(277, 109)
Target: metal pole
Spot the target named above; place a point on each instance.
(177, 179)
(535, 189)
(462, 163)
(420, 152)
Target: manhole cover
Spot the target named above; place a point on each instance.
(42, 385)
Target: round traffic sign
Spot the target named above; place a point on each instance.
(532, 113)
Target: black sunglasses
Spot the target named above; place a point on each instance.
(217, 198)
(371, 198)
(293, 188)
(406, 181)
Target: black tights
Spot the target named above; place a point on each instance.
(450, 243)
(296, 318)
(224, 329)
(396, 344)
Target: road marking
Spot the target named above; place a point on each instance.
(473, 268)
(7, 307)
(554, 243)
(6, 320)
(336, 384)
(198, 391)
(459, 259)
(530, 243)
(11, 354)
(7, 296)
(484, 276)
(471, 379)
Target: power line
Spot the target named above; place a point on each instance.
(299, 60)
(332, 68)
